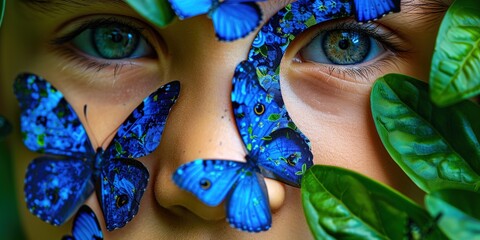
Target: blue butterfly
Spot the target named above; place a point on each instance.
(57, 184)
(5, 127)
(85, 226)
(232, 19)
(276, 149)
(368, 10)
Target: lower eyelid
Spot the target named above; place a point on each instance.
(362, 73)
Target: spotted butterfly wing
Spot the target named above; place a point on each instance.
(54, 187)
(53, 122)
(232, 19)
(141, 132)
(369, 10)
(124, 179)
(238, 183)
(123, 183)
(274, 143)
(85, 226)
(209, 180)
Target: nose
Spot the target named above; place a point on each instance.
(201, 124)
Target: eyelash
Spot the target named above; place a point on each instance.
(88, 63)
(388, 40)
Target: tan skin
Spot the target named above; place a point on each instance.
(330, 105)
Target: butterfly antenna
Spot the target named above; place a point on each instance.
(87, 126)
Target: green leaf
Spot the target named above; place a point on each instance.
(455, 73)
(341, 204)
(2, 10)
(460, 214)
(158, 12)
(437, 147)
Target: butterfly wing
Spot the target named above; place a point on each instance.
(209, 180)
(120, 188)
(55, 189)
(368, 10)
(187, 9)
(140, 134)
(286, 156)
(256, 113)
(234, 19)
(248, 206)
(48, 122)
(85, 225)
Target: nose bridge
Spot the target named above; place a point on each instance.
(201, 124)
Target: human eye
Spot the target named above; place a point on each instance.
(103, 41)
(350, 50)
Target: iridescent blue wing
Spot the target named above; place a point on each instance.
(209, 180)
(234, 19)
(55, 189)
(248, 206)
(48, 123)
(140, 134)
(120, 188)
(369, 10)
(256, 113)
(186, 9)
(286, 156)
(85, 226)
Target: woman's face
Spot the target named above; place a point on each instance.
(328, 101)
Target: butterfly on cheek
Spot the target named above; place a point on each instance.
(85, 226)
(57, 184)
(232, 19)
(276, 148)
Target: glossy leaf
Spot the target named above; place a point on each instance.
(2, 10)
(437, 147)
(158, 12)
(460, 212)
(455, 73)
(341, 204)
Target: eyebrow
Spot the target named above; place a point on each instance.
(55, 6)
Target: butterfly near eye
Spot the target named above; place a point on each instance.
(232, 19)
(370, 10)
(58, 183)
(85, 226)
(276, 149)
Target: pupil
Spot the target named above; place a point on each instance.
(344, 44)
(346, 47)
(116, 37)
(115, 41)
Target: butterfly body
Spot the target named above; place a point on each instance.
(232, 19)
(57, 184)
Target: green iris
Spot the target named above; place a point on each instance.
(115, 41)
(346, 47)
